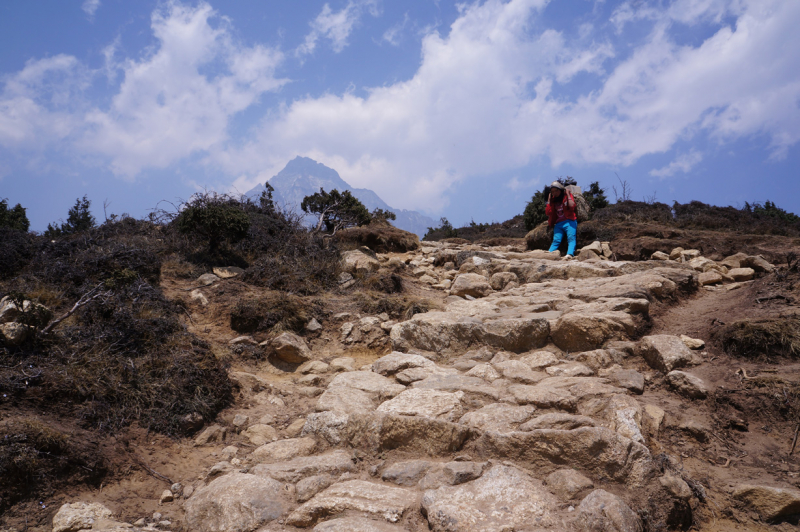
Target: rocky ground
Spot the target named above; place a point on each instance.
(538, 394)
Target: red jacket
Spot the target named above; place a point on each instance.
(569, 212)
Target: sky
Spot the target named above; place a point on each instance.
(461, 110)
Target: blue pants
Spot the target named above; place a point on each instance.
(568, 227)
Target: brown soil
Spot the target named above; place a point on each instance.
(751, 416)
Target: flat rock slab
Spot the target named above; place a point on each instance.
(770, 503)
(282, 450)
(406, 473)
(367, 381)
(376, 500)
(357, 524)
(504, 498)
(500, 417)
(296, 469)
(236, 502)
(395, 361)
(459, 383)
(597, 450)
(345, 400)
(433, 404)
(380, 431)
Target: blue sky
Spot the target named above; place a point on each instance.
(460, 110)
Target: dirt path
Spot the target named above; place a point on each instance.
(749, 419)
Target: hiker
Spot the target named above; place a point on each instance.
(561, 217)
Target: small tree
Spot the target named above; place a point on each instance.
(265, 201)
(335, 210)
(534, 211)
(445, 230)
(13, 218)
(382, 217)
(215, 217)
(595, 197)
(79, 219)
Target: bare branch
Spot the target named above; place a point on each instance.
(85, 299)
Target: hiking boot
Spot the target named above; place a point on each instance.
(568, 257)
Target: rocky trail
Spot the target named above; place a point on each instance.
(538, 394)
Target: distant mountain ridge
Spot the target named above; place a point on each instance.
(302, 177)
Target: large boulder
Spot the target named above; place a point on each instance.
(291, 348)
(504, 498)
(282, 450)
(445, 332)
(296, 469)
(576, 331)
(770, 503)
(597, 450)
(236, 502)
(376, 500)
(471, 284)
(357, 261)
(379, 431)
(395, 361)
(433, 404)
(345, 400)
(664, 352)
(357, 524)
(72, 517)
(602, 511)
(367, 381)
(687, 384)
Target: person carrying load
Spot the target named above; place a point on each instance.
(562, 218)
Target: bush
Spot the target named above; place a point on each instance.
(276, 311)
(34, 457)
(302, 264)
(79, 219)
(336, 210)
(16, 250)
(768, 338)
(216, 218)
(534, 212)
(15, 218)
(445, 230)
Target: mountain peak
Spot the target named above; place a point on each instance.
(303, 176)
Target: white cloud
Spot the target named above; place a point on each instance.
(336, 26)
(515, 184)
(90, 7)
(394, 34)
(174, 102)
(683, 163)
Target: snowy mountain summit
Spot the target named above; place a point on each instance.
(302, 177)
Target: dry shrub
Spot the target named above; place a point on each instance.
(175, 266)
(303, 265)
(35, 458)
(386, 283)
(122, 359)
(274, 311)
(397, 307)
(16, 250)
(379, 238)
(774, 337)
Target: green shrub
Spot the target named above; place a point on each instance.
(15, 218)
(79, 219)
(336, 210)
(216, 218)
